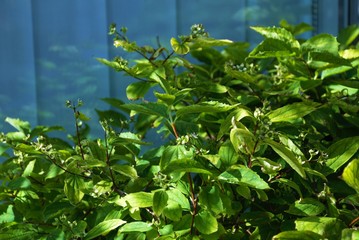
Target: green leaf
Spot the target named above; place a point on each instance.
(297, 235)
(272, 48)
(160, 199)
(29, 168)
(287, 155)
(211, 106)
(125, 170)
(19, 183)
(206, 42)
(327, 227)
(22, 126)
(292, 112)
(306, 207)
(179, 48)
(8, 216)
(176, 196)
(348, 35)
(185, 165)
(103, 228)
(243, 140)
(136, 226)
(237, 115)
(351, 174)
(137, 200)
(321, 43)
(19, 234)
(151, 108)
(291, 184)
(172, 153)
(205, 223)
(339, 153)
(73, 187)
(137, 90)
(243, 176)
(228, 155)
(166, 98)
(350, 234)
(173, 211)
(210, 199)
(277, 33)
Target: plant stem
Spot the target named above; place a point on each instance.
(194, 202)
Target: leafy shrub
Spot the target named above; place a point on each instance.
(256, 144)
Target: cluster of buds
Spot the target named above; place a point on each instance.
(197, 30)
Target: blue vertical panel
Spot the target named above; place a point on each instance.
(17, 85)
(69, 35)
(232, 18)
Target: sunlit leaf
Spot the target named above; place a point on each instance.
(205, 223)
(137, 200)
(351, 174)
(306, 207)
(160, 199)
(243, 176)
(136, 226)
(287, 155)
(297, 235)
(339, 153)
(73, 188)
(179, 48)
(327, 227)
(137, 90)
(125, 170)
(104, 228)
(212, 107)
(292, 112)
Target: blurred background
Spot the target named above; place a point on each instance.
(48, 48)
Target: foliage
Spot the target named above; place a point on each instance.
(256, 144)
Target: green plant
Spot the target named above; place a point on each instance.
(258, 144)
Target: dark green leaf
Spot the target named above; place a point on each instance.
(19, 183)
(185, 165)
(172, 153)
(156, 109)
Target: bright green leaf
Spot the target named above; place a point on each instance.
(322, 43)
(179, 48)
(160, 199)
(351, 174)
(306, 207)
(22, 126)
(125, 170)
(327, 227)
(103, 228)
(212, 107)
(292, 112)
(136, 226)
(173, 211)
(7, 216)
(172, 153)
(137, 200)
(297, 235)
(340, 152)
(73, 188)
(151, 108)
(210, 199)
(287, 155)
(137, 90)
(243, 176)
(185, 165)
(205, 223)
